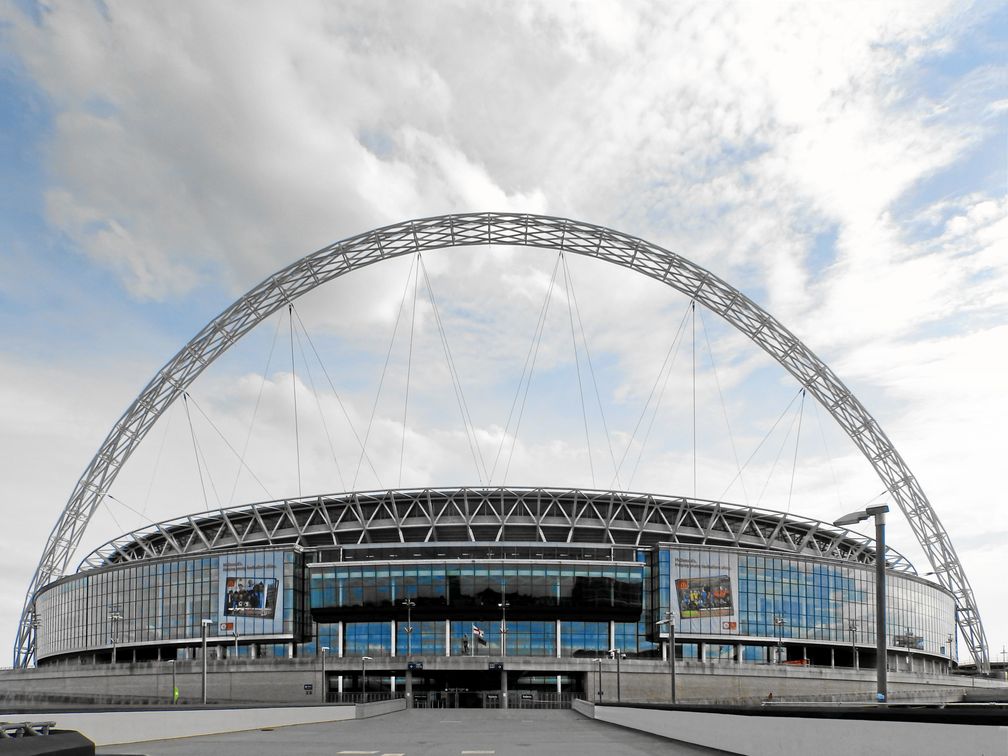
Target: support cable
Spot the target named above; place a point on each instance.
(192, 433)
(724, 407)
(541, 328)
(794, 463)
(460, 400)
(409, 372)
(780, 451)
(318, 404)
(693, 357)
(666, 370)
(157, 461)
(297, 433)
(829, 456)
(759, 445)
(339, 401)
(107, 495)
(577, 365)
(255, 412)
(119, 527)
(381, 383)
(227, 443)
(591, 369)
(521, 379)
(676, 344)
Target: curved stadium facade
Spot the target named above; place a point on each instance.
(438, 573)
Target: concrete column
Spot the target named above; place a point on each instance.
(738, 653)
(504, 689)
(558, 649)
(409, 689)
(392, 629)
(832, 657)
(612, 634)
(339, 684)
(703, 653)
(339, 641)
(447, 637)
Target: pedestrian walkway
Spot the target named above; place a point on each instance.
(460, 732)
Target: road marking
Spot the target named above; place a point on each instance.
(474, 753)
(393, 754)
(356, 753)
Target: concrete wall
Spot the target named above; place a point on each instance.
(783, 736)
(283, 680)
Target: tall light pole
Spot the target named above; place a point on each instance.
(599, 660)
(852, 626)
(617, 653)
(881, 667)
(779, 626)
(949, 641)
(115, 616)
(234, 632)
(671, 645)
(504, 604)
(409, 604)
(174, 686)
(204, 624)
(363, 661)
(325, 685)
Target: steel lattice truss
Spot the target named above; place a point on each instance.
(490, 515)
(480, 229)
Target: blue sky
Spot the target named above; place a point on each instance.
(843, 166)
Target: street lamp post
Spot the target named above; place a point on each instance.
(616, 652)
(174, 685)
(504, 604)
(949, 641)
(779, 626)
(878, 513)
(115, 616)
(599, 660)
(325, 685)
(409, 604)
(671, 646)
(364, 660)
(234, 632)
(204, 624)
(852, 626)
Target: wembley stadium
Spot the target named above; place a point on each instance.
(438, 592)
(544, 575)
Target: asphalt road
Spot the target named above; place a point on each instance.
(436, 732)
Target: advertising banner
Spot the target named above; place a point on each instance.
(251, 593)
(704, 591)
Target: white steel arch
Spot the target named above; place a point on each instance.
(476, 229)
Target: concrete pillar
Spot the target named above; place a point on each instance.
(339, 641)
(504, 689)
(409, 689)
(392, 629)
(447, 637)
(738, 653)
(339, 684)
(703, 653)
(558, 650)
(832, 657)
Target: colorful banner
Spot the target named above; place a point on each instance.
(251, 594)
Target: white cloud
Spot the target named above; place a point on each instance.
(204, 147)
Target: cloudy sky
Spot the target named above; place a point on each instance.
(842, 164)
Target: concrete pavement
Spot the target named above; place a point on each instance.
(436, 732)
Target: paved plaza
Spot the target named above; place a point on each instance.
(443, 732)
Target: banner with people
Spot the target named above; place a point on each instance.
(251, 595)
